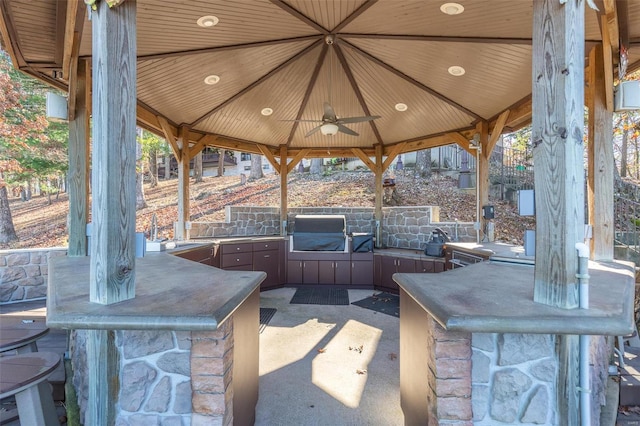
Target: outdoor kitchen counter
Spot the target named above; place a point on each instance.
(406, 253)
(171, 294)
(497, 297)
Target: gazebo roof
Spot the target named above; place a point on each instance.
(363, 57)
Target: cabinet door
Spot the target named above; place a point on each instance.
(294, 272)
(199, 254)
(310, 272)
(362, 273)
(405, 265)
(439, 266)
(387, 269)
(326, 272)
(342, 272)
(267, 261)
(426, 266)
(234, 260)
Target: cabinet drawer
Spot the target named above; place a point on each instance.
(266, 245)
(236, 259)
(237, 248)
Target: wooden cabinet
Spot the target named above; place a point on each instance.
(334, 272)
(388, 266)
(266, 258)
(430, 266)
(302, 272)
(362, 270)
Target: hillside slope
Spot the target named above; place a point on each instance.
(41, 225)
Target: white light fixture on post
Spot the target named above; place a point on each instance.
(329, 129)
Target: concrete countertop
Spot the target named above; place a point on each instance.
(406, 253)
(497, 297)
(171, 294)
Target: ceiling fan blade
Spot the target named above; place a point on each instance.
(346, 130)
(329, 113)
(305, 121)
(358, 119)
(312, 131)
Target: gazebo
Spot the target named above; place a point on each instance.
(307, 79)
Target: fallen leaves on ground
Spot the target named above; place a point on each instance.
(39, 224)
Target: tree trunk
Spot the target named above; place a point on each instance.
(153, 167)
(256, 167)
(197, 168)
(623, 152)
(423, 163)
(316, 166)
(220, 162)
(140, 201)
(167, 167)
(7, 231)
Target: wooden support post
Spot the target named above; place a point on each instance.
(112, 265)
(482, 163)
(600, 154)
(182, 233)
(379, 194)
(112, 277)
(557, 129)
(79, 164)
(283, 189)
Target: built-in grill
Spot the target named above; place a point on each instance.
(319, 233)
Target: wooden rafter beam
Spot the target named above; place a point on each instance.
(356, 90)
(296, 159)
(462, 141)
(169, 135)
(72, 36)
(10, 36)
(201, 144)
(392, 154)
(444, 39)
(358, 152)
(270, 157)
(496, 131)
(611, 17)
(359, 11)
(608, 63)
(298, 15)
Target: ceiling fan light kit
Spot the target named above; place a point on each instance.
(329, 129)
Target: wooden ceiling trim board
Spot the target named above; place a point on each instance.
(168, 131)
(229, 47)
(608, 63)
(392, 154)
(356, 90)
(519, 114)
(201, 144)
(258, 81)
(296, 159)
(307, 93)
(411, 80)
(270, 157)
(358, 152)
(496, 131)
(234, 145)
(10, 36)
(612, 23)
(359, 11)
(448, 39)
(425, 143)
(295, 13)
(71, 37)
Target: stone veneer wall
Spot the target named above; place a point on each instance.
(23, 273)
(168, 378)
(514, 378)
(402, 227)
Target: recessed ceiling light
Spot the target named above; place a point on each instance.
(456, 70)
(452, 8)
(401, 107)
(212, 79)
(266, 111)
(208, 21)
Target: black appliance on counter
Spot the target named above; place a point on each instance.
(361, 243)
(319, 233)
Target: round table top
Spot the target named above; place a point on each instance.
(17, 331)
(21, 371)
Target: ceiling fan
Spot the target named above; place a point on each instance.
(331, 124)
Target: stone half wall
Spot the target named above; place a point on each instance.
(168, 378)
(402, 227)
(23, 273)
(514, 378)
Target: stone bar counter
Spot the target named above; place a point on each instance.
(188, 341)
(476, 349)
